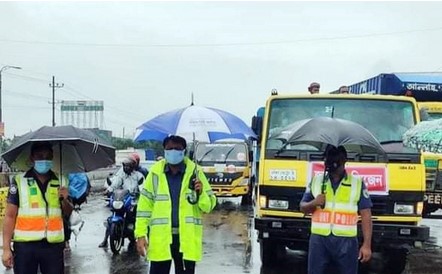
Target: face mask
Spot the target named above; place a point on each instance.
(332, 164)
(174, 156)
(42, 166)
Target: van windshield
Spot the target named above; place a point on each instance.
(387, 120)
(231, 153)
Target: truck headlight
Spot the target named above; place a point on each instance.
(278, 204)
(419, 208)
(403, 208)
(263, 201)
(244, 182)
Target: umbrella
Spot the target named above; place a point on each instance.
(194, 123)
(320, 131)
(81, 150)
(426, 136)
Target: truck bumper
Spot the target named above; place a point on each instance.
(295, 230)
(223, 191)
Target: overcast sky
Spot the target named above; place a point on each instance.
(145, 58)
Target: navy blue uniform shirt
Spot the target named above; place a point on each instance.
(175, 181)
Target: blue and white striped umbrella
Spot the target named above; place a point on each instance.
(194, 123)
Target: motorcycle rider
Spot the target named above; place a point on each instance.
(138, 167)
(129, 179)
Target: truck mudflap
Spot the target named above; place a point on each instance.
(298, 229)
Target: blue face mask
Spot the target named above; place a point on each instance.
(174, 156)
(42, 166)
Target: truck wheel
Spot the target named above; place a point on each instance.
(395, 260)
(246, 199)
(270, 252)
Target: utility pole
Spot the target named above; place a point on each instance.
(54, 86)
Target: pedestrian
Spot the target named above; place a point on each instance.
(34, 217)
(334, 204)
(129, 179)
(343, 90)
(169, 215)
(314, 88)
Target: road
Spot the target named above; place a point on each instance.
(229, 246)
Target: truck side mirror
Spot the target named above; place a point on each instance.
(250, 156)
(257, 125)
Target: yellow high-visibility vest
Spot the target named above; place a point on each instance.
(340, 213)
(37, 220)
(154, 212)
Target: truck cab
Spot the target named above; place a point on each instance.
(227, 166)
(396, 182)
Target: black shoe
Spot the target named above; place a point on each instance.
(103, 244)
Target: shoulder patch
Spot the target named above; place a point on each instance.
(13, 189)
(365, 193)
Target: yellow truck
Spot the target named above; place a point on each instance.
(227, 166)
(396, 182)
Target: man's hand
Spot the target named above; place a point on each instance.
(7, 258)
(63, 192)
(319, 200)
(142, 246)
(198, 186)
(364, 254)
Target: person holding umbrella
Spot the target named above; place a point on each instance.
(34, 217)
(334, 199)
(169, 216)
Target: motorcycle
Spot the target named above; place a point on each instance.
(121, 223)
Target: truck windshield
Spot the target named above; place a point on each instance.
(386, 119)
(209, 154)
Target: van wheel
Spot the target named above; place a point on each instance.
(271, 252)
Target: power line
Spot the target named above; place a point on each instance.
(344, 37)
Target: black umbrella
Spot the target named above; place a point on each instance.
(81, 149)
(320, 131)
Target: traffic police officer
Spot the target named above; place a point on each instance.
(36, 202)
(169, 214)
(334, 204)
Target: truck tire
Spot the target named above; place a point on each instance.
(395, 260)
(246, 199)
(270, 252)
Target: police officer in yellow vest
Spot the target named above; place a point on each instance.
(33, 221)
(334, 204)
(169, 214)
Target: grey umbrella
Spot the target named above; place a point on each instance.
(81, 149)
(321, 131)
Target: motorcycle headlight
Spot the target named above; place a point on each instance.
(117, 204)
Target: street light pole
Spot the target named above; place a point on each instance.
(1, 70)
(2, 127)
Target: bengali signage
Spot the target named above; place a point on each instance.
(374, 177)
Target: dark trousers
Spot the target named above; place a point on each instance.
(181, 266)
(338, 252)
(28, 257)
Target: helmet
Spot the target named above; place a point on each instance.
(136, 158)
(129, 161)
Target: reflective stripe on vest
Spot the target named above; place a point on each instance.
(340, 214)
(36, 218)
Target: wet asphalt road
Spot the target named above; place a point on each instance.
(229, 246)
